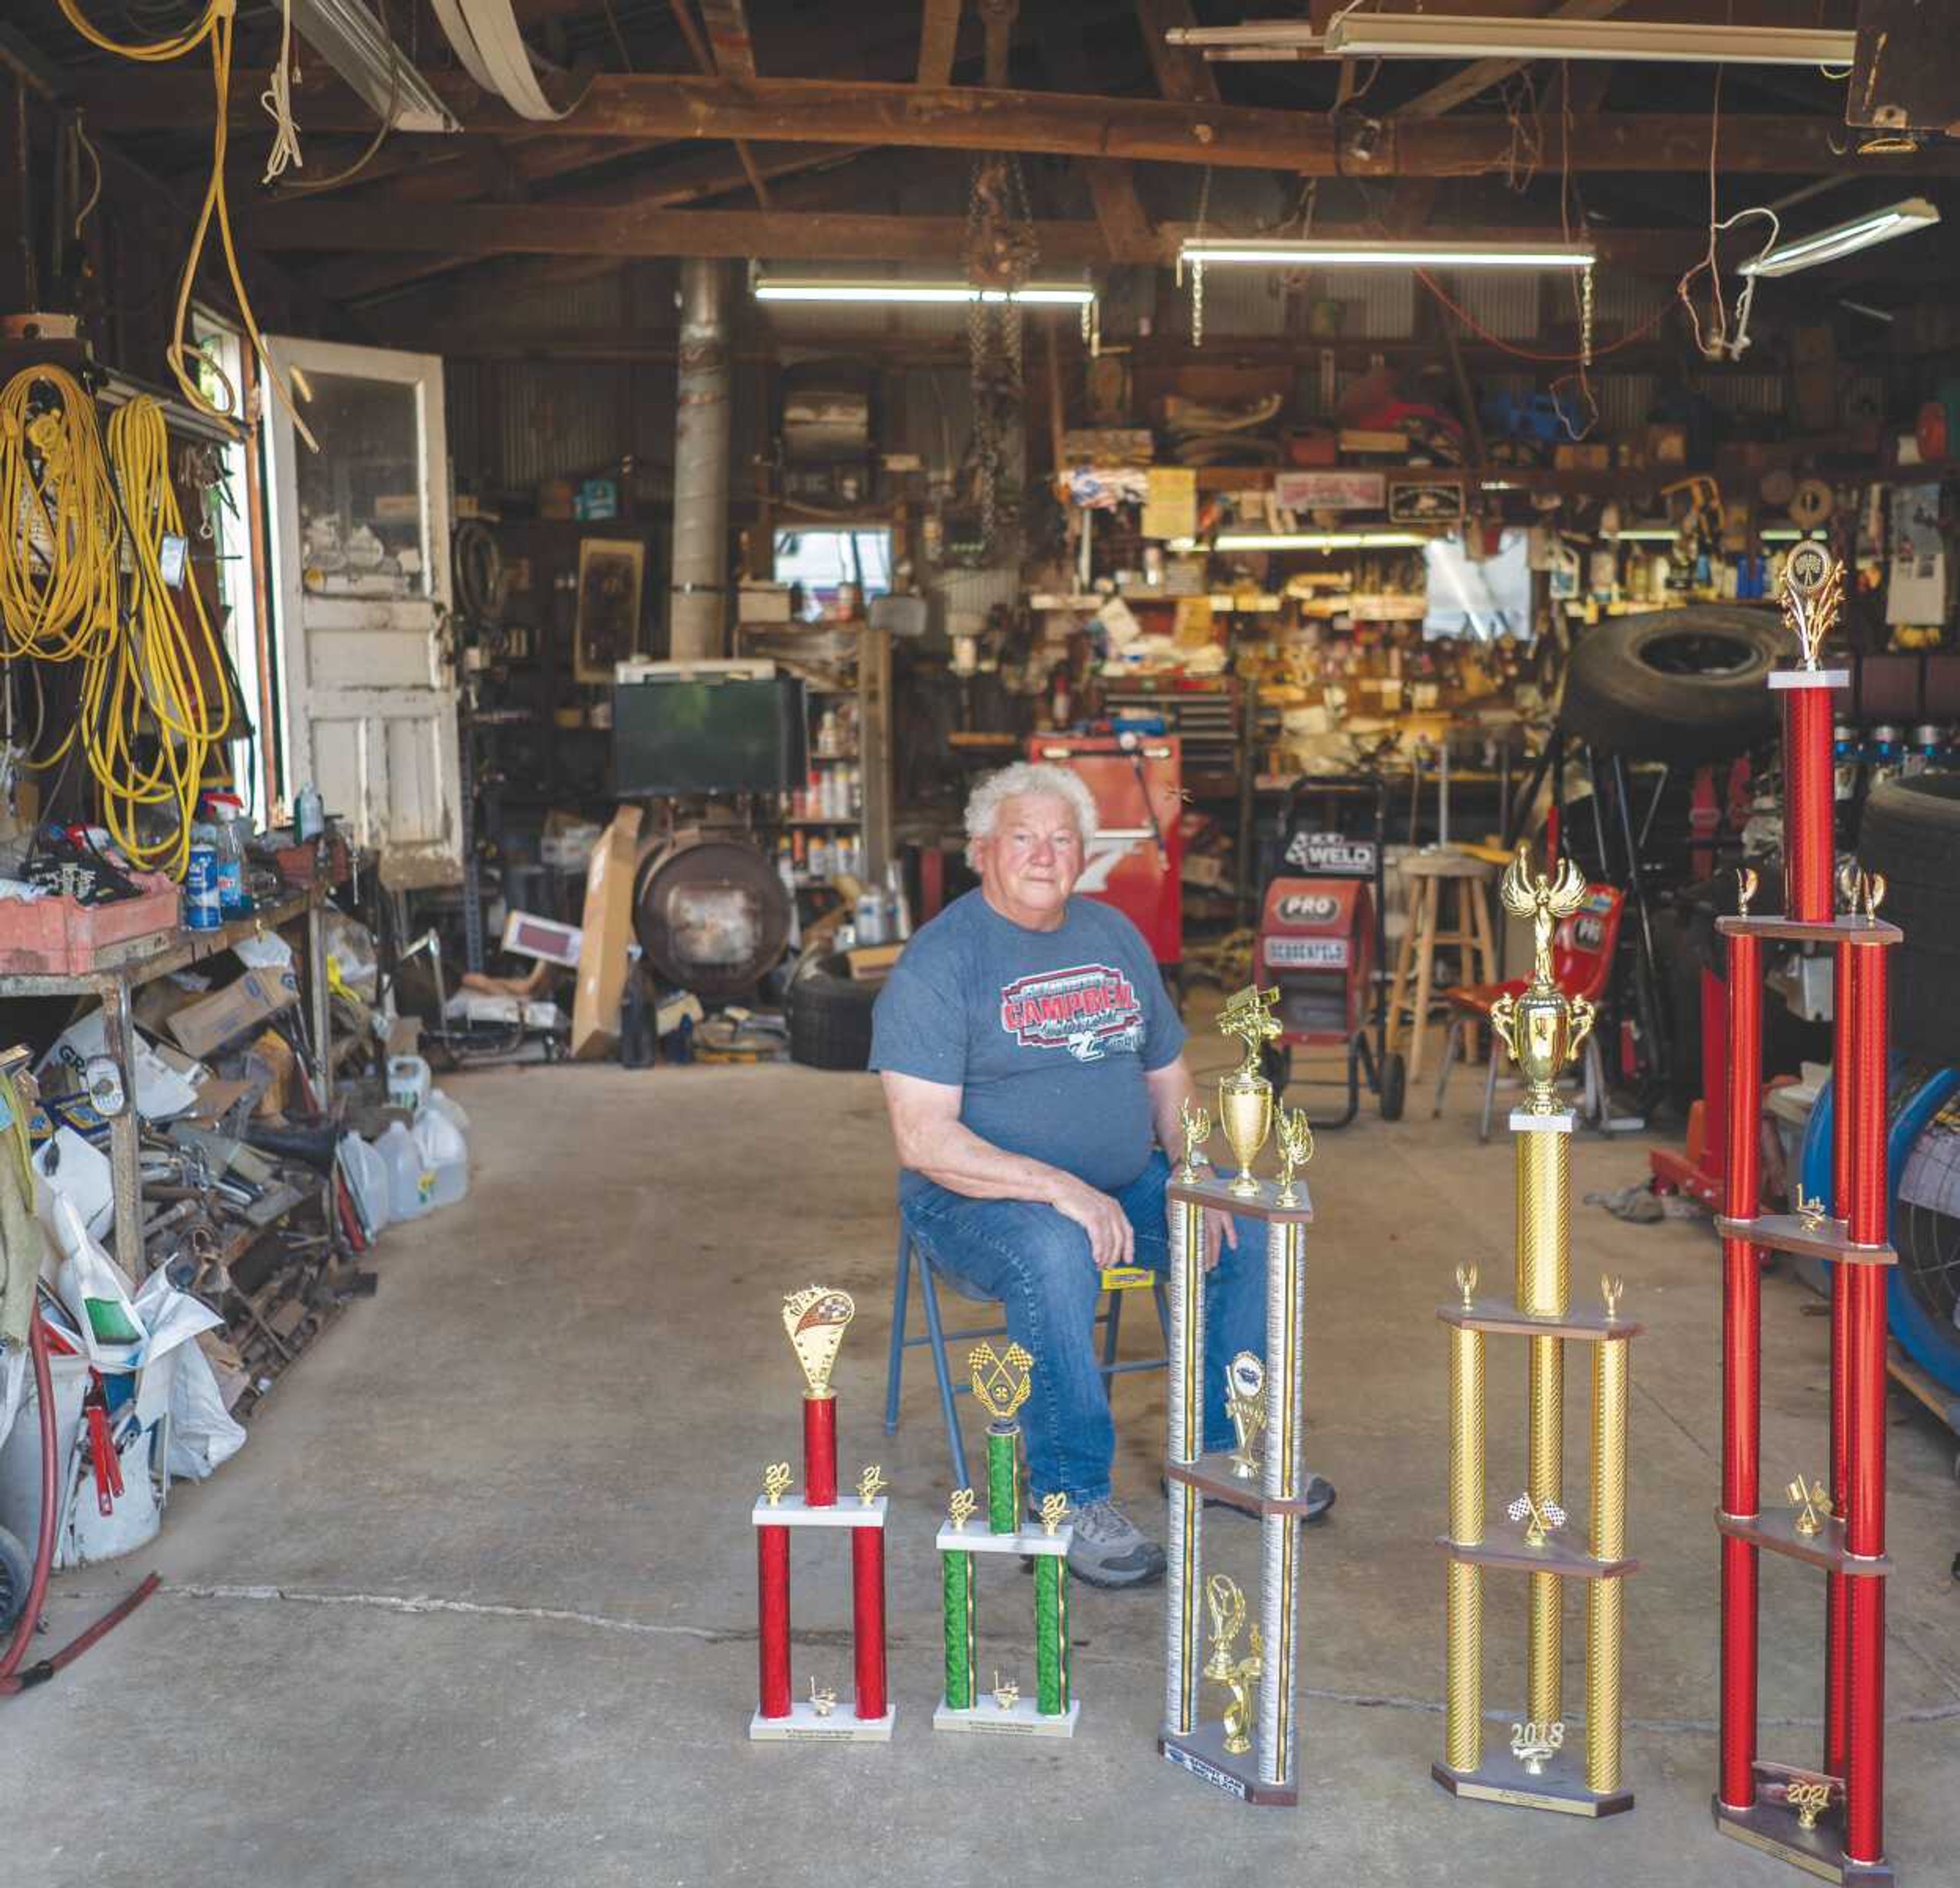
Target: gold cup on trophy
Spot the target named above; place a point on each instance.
(1543, 1028)
(1245, 1404)
(1244, 1096)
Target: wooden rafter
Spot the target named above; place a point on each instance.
(635, 229)
(1480, 75)
(939, 40)
(1232, 137)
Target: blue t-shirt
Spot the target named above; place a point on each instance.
(1048, 1034)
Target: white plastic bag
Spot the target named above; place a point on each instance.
(203, 1434)
(96, 1295)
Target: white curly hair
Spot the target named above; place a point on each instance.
(1026, 779)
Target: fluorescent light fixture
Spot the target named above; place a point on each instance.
(1843, 239)
(1785, 534)
(1318, 541)
(347, 35)
(1432, 35)
(1646, 534)
(1291, 33)
(1036, 294)
(1364, 252)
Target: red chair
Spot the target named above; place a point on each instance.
(1582, 961)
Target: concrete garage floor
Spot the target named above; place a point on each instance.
(475, 1605)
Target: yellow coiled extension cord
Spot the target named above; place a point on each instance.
(68, 594)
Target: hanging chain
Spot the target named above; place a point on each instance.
(1197, 263)
(1585, 318)
(1000, 254)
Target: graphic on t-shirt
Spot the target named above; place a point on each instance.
(1089, 1010)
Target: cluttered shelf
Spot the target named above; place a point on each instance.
(139, 960)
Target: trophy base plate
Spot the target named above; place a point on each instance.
(1772, 1827)
(803, 1725)
(1560, 1788)
(1202, 1753)
(1021, 1718)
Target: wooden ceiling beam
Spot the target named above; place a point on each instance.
(939, 40)
(700, 176)
(635, 229)
(1480, 75)
(974, 117)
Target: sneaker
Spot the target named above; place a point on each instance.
(1109, 1550)
(1321, 1496)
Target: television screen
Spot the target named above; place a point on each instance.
(708, 737)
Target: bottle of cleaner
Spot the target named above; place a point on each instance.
(230, 848)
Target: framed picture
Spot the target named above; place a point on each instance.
(612, 572)
(1426, 498)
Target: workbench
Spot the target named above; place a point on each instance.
(121, 970)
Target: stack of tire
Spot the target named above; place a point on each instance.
(1911, 833)
(830, 1015)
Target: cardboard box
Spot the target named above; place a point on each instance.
(213, 1021)
(607, 929)
(870, 963)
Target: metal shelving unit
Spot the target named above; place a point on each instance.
(124, 969)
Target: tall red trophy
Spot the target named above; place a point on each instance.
(814, 1318)
(1827, 1820)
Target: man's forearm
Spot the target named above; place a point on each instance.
(955, 1158)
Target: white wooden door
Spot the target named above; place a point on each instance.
(360, 557)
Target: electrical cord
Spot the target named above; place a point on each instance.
(215, 24)
(277, 100)
(84, 583)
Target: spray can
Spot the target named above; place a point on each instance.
(202, 911)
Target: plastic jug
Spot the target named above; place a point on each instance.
(446, 1153)
(368, 1180)
(410, 1182)
(408, 1080)
(229, 846)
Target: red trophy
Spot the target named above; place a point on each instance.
(1827, 1819)
(814, 1318)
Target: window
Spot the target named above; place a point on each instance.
(823, 561)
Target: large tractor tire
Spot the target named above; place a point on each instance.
(1679, 686)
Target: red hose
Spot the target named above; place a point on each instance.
(43, 1670)
(44, 1539)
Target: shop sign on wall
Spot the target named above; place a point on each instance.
(1330, 491)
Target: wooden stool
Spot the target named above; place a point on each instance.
(1433, 876)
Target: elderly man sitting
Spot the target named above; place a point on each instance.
(1033, 1065)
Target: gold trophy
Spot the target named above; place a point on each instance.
(1226, 1605)
(1813, 590)
(1244, 1096)
(1245, 1404)
(1197, 1132)
(1543, 1028)
(814, 1318)
(1814, 1503)
(1295, 1140)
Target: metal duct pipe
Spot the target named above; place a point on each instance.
(700, 564)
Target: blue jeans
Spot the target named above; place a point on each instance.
(1037, 1264)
